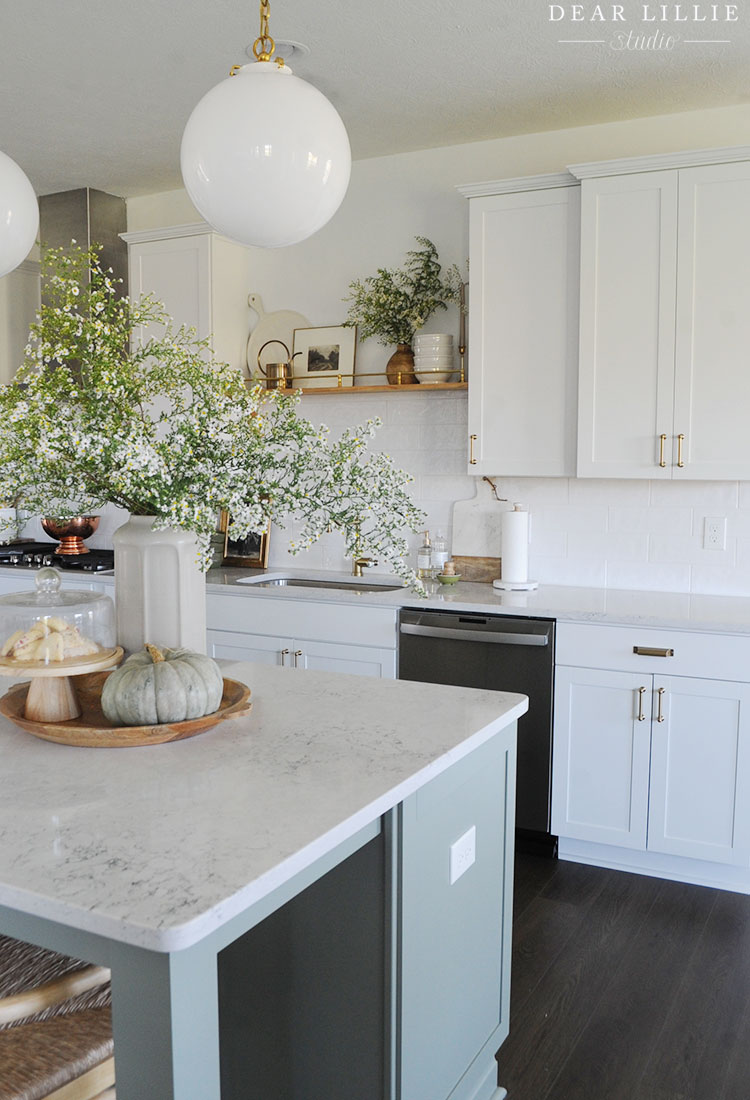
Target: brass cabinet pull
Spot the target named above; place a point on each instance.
(680, 441)
(297, 654)
(662, 442)
(648, 651)
(284, 655)
(641, 715)
(472, 441)
(660, 697)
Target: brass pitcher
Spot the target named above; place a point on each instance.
(278, 376)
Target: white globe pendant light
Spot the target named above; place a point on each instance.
(19, 215)
(265, 157)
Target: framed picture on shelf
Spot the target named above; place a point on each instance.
(250, 552)
(326, 357)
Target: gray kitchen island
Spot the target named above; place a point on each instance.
(308, 902)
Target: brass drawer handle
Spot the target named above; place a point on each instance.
(284, 655)
(680, 441)
(662, 441)
(648, 651)
(472, 441)
(297, 654)
(641, 715)
(659, 714)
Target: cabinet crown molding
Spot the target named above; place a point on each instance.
(691, 158)
(166, 233)
(520, 183)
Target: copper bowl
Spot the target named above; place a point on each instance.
(70, 532)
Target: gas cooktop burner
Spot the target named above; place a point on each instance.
(34, 555)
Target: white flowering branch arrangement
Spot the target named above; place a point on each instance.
(161, 429)
(393, 305)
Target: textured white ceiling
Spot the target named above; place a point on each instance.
(97, 92)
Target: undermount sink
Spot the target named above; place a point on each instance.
(346, 584)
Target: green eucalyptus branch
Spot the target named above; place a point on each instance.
(393, 305)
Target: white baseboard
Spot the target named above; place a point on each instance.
(657, 865)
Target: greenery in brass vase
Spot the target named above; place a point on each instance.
(156, 426)
(393, 305)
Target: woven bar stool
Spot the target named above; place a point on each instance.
(55, 1026)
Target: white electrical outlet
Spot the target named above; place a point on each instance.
(463, 853)
(715, 533)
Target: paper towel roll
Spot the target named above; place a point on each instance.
(514, 546)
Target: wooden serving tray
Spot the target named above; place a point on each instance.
(92, 730)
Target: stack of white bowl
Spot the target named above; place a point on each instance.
(433, 357)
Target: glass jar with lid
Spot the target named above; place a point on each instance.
(51, 625)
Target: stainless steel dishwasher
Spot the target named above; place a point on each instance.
(503, 654)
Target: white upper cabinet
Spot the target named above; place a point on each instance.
(712, 379)
(523, 326)
(665, 319)
(201, 278)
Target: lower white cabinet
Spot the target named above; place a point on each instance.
(655, 763)
(303, 653)
(300, 633)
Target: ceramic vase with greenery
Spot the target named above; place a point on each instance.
(154, 425)
(393, 305)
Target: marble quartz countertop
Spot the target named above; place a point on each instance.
(677, 610)
(159, 846)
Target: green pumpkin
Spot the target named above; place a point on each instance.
(155, 686)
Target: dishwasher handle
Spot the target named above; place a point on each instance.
(496, 638)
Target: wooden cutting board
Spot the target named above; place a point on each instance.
(477, 524)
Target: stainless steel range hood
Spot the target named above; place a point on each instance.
(87, 217)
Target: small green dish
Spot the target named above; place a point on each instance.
(448, 578)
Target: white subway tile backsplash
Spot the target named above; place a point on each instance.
(676, 548)
(450, 437)
(548, 544)
(694, 494)
(651, 521)
(738, 521)
(614, 533)
(534, 492)
(585, 572)
(576, 520)
(589, 491)
(413, 408)
(720, 580)
(649, 576)
(608, 546)
(439, 487)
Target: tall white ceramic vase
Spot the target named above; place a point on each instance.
(160, 591)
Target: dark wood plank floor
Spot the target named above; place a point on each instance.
(626, 988)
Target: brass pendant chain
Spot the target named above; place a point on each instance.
(264, 45)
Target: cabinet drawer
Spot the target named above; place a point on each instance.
(324, 622)
(702, 654)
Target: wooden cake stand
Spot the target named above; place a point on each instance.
(52, 695)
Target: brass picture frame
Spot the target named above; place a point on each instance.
(250, 552)
(326, 357)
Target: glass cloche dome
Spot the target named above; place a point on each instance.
(51, 624)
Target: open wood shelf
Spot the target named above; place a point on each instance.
(422, 387)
